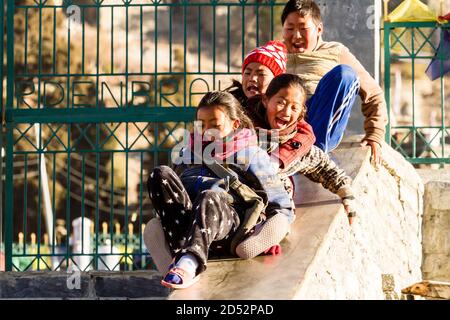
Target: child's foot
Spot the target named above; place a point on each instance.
(269, 234)
(157, 245)
(178, 278)
(182, 274)
(173, 278)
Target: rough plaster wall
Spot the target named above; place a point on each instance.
(382, 241)
(436, 231)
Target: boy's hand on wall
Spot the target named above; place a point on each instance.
(376, 151)
(349, 206)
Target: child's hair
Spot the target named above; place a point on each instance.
(237, 91)
(226, 102)
(287, 80)
(303, 8)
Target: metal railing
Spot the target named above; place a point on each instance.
(97, 93)
(419, 119)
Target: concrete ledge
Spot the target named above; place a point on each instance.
(323, 258)
(83, 285)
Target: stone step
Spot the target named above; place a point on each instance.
(82, 285)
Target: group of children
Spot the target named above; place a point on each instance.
(301, 91)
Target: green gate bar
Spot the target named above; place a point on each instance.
(2, 122)
(98, 94)
(415, 44)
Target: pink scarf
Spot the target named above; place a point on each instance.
(234, 142)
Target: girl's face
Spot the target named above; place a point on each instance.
(300, 33)
(284, 108)
(217, 121)
(255, 79)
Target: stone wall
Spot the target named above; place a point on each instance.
(325, 258)
(386, 239)
(436, 231)
(93, 285)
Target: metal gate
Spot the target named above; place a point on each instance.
(97, 94)
(419, 115)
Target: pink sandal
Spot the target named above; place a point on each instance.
(187, 279)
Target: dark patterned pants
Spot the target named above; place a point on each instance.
(191, 226)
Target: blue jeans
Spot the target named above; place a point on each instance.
(330, 106)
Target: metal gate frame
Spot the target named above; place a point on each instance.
(420, 34)
(13, 116)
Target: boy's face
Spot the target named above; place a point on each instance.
(255, 79)
(300, 33)
(284, 109)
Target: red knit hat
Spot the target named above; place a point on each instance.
(446, 17)
(273, 55)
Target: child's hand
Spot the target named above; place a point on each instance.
(349, 209)
(376, 152)
(274, 250)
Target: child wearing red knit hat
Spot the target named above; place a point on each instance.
(260, 66)
(272, 55)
